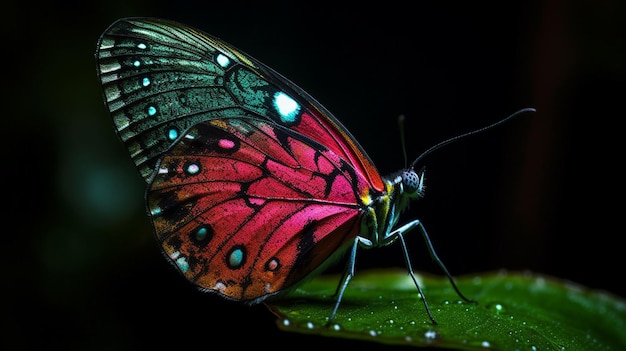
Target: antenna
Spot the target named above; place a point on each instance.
(401, 119)
(448, 141)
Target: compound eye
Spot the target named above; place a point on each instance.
(410, 181)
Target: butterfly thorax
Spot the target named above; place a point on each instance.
(383, 210)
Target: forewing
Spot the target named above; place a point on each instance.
(160, 78)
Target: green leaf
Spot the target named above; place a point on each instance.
(514, 311)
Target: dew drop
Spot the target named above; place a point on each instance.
(310, 325)
(496, 308)
(286, 322)
(485, 344)
(335, 327)
(430, 335)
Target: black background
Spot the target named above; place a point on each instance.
(542, 193)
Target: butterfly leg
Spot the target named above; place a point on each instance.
(347, 275)
(399, 233)
(344, 273)
(410, 268)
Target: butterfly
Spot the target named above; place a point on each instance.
(252, 185)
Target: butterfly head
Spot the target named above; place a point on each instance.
(413, 183)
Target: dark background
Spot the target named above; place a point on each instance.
(543, 192)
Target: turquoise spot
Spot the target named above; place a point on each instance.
(236, 258)
(201, 234)
(142, 46)
(172, 134)
(151, 110)
(145, 82)
(286, 107)
(137, 63)
(222, 60)
(182, 264)
(155, 211)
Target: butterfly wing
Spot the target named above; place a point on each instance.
(160, 78)
(243, 207)
(252, 183)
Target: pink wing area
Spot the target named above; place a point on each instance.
(246, 208)
(320, 126)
